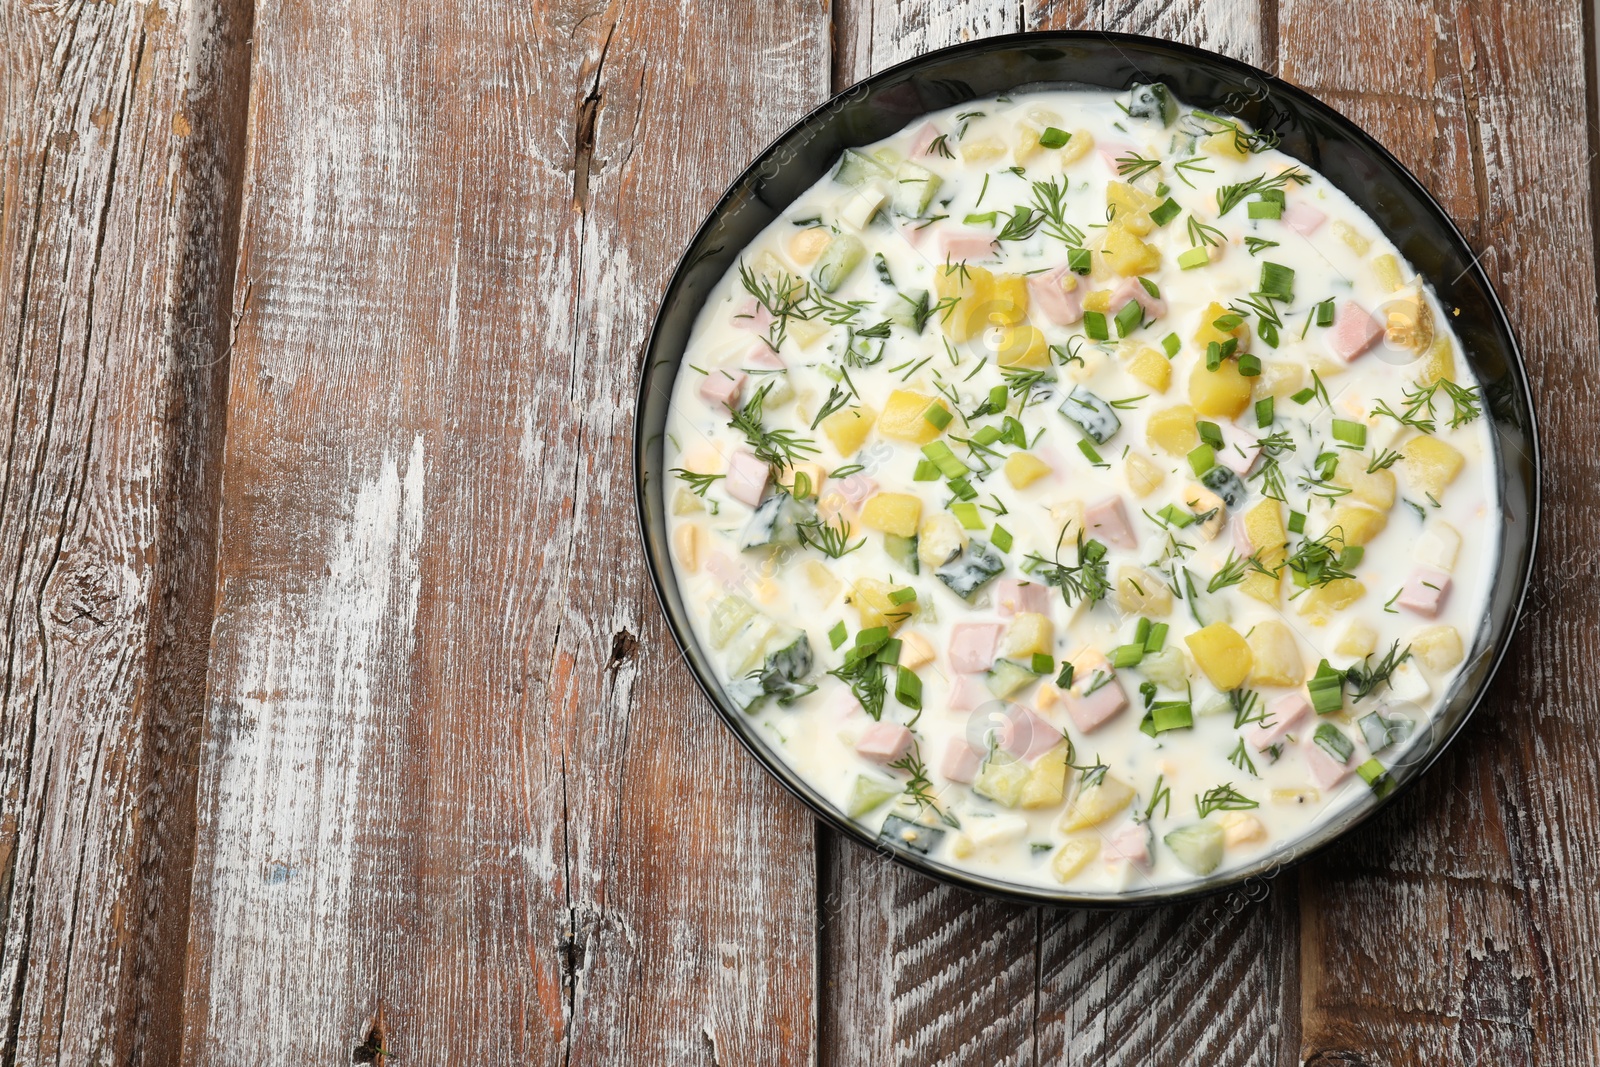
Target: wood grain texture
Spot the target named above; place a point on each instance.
(1486, 876)
(119, 171)
(918, 973)
(453, 771)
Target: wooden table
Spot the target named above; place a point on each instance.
(339, 719)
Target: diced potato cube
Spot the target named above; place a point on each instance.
(1002, 780)
(973, 288)
(1262, 587)
(1263, 525)
(1438, 546)
(1242, 828)
(1082, 144)
(1348, 234)
(1068, 515)
(1296, 798)
(1280, 377)
(1074, 855)
(1096, 804)
(1374, 489)
(871, 599)
(1023, 346)
(903, 420)
(1152, 368)
(1030, 633)
(1223, 392)
(1429, 464)
(807, 332)
(892, 513)
(1438, 647)
(1143, 476)
(1387, 268)
(1409, 320)
(1320, 603)
(1099, 300)
(684, 502)
(1208, 330)
(1008, 300)
(915, 651)
(687, 541)
(1173, 430)
(847, 428)
(982, 150)
(1439, 361)
(822, 580)
(1022, 469)
(1139, 592)
(1226, 143)
(1131, 207)
(1126, 254)
(1222, 654)
(1203, 501)
(1355, 524)
(1357, 641)
(1027, 143)
(1275, 655)
(940, 539)
(961, 846)
(1047, 784)
(808, 244)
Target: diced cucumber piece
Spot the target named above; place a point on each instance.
(1153, 102)
(903, 550)
(1226, 484)
(1093, 415)
(915, 188)
(1380, 731)
(746, 692)
(1198, 846)
(1002, 780)
(748, 649)
(869, 792)
(1006, 678)
(728, 617)
(788, 661)
(857, 167)
(905, 308)
(903, 833)
(773, 522)
(1332, 740)
(843, 254)
(792, 660)
(968, 572)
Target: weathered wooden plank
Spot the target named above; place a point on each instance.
(920, 974)
(1461, 930)
(453, 769)
(123, 131)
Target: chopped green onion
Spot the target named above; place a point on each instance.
(1264, 412)
(1264, 209)
(927, 471)
(1297, 522)
(1170, 345)
(1350, 432)
(1325, 312)
(1249, 366)
(837, 635)
(1094, 324)
(962, 489)
(1351, 556)
(986, 435)
(1305, 395)
(1210, 433)
(1129, 318)
(1277, 281)
(941, 456)
(903, 595)
(998, 397)
(1167, 715)
(1064, 679)
(1202, 459)
(985, 218)
(1199, 256)
(1332, 740)
(889, 651)
(908, 689)
(1043, 663)
(1373, 773)
(1127, 655)
(1326, 689)
(968, 514)
(937, 414)
(1000, 537)
(1173, 515)
(1156, 639)
(1165, 212)
(1079, 260)
(1214, 355)
(1054, 138)
(1088, 450)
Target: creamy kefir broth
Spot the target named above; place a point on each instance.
(1081, 492)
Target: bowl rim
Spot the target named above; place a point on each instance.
(1295, 851)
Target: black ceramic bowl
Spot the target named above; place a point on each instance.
(1310, 131)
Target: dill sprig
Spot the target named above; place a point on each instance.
(1365, 677)
(1021, 224)
(1247, 706)
(1231, 196)
(1049, 202)
(1134, 166)
(919, 788)
(1085, 580)
(1184, 167)
(1240, 758)
(1383, 460)
(1257, 245)
(1223, 798)
(698, 483)
(837, 398)
(1232, 571)
(776, 448)
(1417, 410)
(1201, 234)
(832, 541)
(1317, 560)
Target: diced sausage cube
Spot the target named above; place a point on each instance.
(1425, 592)
(967, 692)
(1013, 596)
(1108, 521)
(722, 387)
(884, 742)
(1130, 845)
(1088, 711)
(961, 761)
(1354, 331)
(973, 645)
(1283, 715)
(1131, 289)
(1026, 735)
(961, 245)
(1047, 293)
(1303, 219)
(747, 477)
(1326, 771)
